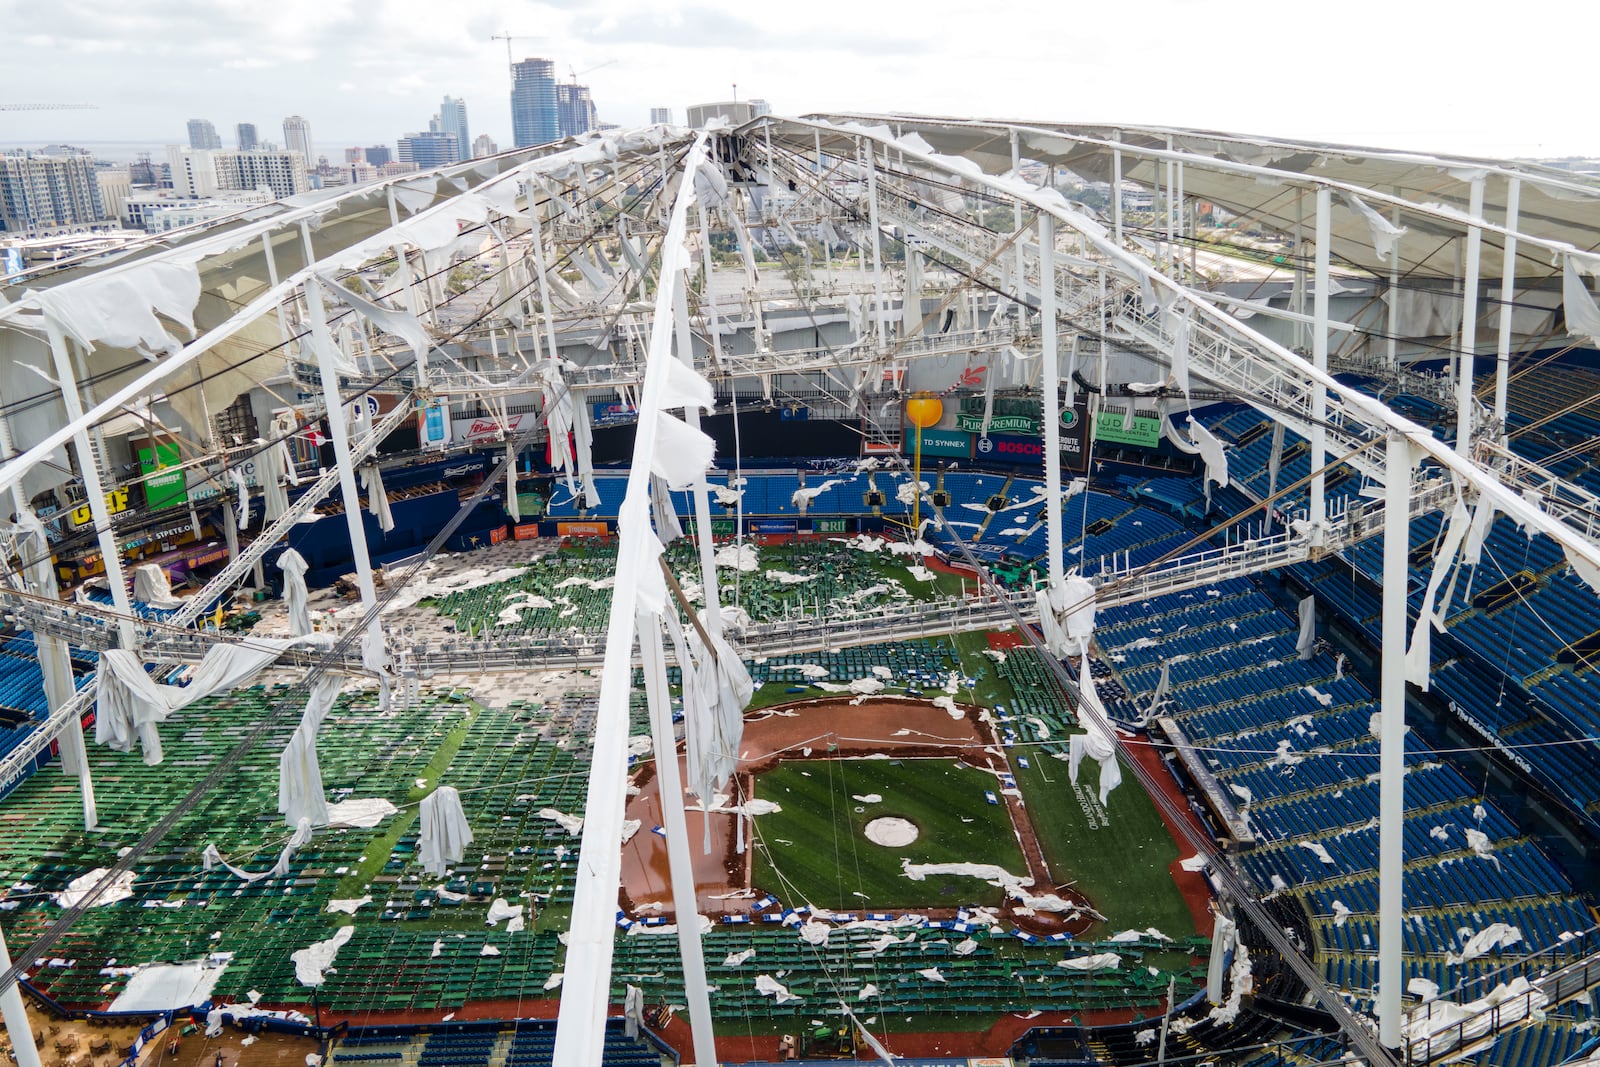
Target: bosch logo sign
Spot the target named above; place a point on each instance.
(1019, 448)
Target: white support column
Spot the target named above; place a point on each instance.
(1508, 280)
(1297, 292)
(55, 660)
(1016, 211)
(553, 353)
(93, 487)
(684, 338)
(1391, 739)
(1116, 188)
(1050, 370)
(1469, 320)
(339, 432)
(15, 1014)
(1319, 357)
(877, 244)
(680, 865)
(708, 297)
(1392, 326)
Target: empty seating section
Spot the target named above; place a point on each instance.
(568, 591)
(1295, 749)
(1506, 662)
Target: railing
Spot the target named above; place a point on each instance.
(1545, 991)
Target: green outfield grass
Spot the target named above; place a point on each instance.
(817, 844)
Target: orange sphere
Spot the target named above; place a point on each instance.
(924, 411)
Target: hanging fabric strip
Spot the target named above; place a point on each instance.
(1385, 234)
(513, 503)
(1419, 655)
(243, 488)
(445, 835)
(377, 496)
(300, 794)
(1583, 317)
(1308, 627)
(293, 565)
(1180, 351)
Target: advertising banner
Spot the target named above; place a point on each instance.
(162, 490)
(1120, 428)
(952, 443)
(582, 529)
(609, 412)
(528, 531)
(487, 431)
(433, 426)
(773, 526)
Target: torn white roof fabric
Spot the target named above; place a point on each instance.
(445, 835)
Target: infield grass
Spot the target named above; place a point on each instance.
(815, 850)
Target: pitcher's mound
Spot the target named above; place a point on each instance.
(891, 832)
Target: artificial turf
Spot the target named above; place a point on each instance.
(815, 850)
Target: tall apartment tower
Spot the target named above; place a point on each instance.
(430, 149)
(281, 173)
(297, 137)
(203, 135)
(245, 134)
(453, 119)
(661, 116)
(534, 120)
(45, 194)
(194, 172)
(574, 110)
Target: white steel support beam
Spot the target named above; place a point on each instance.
(1050, 369)
(1319, 359)
(89, 467)
(1391, 739)
(1116, 191)
(680, 866)
(1391, 325)
(1508, 277)
(867, 151)
(1469, 318)
(15, 1014)
(339, 431)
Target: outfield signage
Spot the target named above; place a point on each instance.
(719, 527)
(829, 525)
(1126, 428)
(774, 526)
(610, 412)
(487, 431)
(1029, 451)
(162, 490)
(951, 443)
(999, 424)
(582, 529)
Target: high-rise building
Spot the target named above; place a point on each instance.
(574, 109)
(483, 145)
(115, 185)
(45, 194)
(297, 137)
(430, 149)
(282, 173)
(452, 118)
(661, 116)
(194, 172)
(245, 134)
(378, 155)
(203, 135)
(534, 120)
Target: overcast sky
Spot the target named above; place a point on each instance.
(1514, 80)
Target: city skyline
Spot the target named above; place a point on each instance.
(358, 72)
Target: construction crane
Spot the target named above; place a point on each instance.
(508, 37)
(597, 66)
(48, 107)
